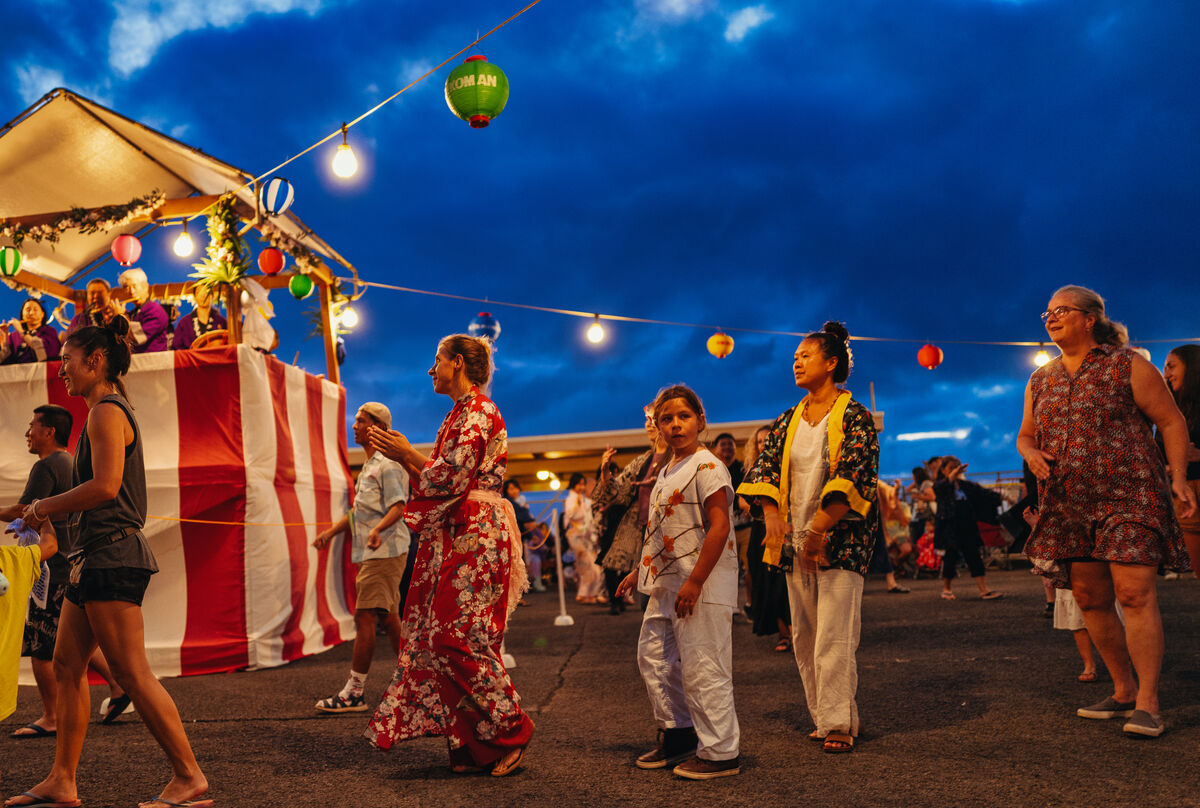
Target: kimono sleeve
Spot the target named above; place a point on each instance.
(449, 475)
(712, 477)
(856, 476)
(762, 479)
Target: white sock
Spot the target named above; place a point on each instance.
(354, 685)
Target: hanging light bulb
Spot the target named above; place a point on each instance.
(595, 332)
(344, 161)
(543, 475)
(555, 483)
(348, 318)
(184, 246)
(1042, 357)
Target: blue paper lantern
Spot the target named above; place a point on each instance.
(276, 196)
(485, 325)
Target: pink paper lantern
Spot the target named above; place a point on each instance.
(126, 250)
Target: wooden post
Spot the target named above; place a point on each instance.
(233, 310)
(327, 333)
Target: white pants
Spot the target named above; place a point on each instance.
(826, 622)
(687, 665)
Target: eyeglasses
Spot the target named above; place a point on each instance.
(1058, 313)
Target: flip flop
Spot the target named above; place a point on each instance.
(116, 707)
(947, 595)
(36, 732)
(1088, 677)
(991, 595)
(815, 736)
(186, 804)
(44, 802)
(839, 743)
(500, 770)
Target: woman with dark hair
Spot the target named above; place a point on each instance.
(108, 572)
(816, 482)
(770, 614)
(466, 583)
(1105, 523)
(622, 509)
(31, 338)
(1182, 372)
(577, 513)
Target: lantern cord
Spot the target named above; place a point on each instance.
(620, 318)
(393, 96)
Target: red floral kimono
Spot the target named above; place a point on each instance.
(450, 680)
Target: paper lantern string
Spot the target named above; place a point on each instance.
(620, 318)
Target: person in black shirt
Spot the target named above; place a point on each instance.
(47, 437)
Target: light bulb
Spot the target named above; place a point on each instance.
(184, 246)
(543, 475)
(1041, 358)
(344, 161)
(348, 318)
(595, 332)
(555, 484)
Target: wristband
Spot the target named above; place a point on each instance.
(33, 509)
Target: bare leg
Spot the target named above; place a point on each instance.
(72, 649)
(1092, 586)
(1192, 540)
(100, 665)
(1084, 643)
(981, 582)
(1134, 586)
(119, 629)
(43, 674)
(392, 624)
(364, 640)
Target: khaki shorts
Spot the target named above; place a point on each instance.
(378, 583)
(742, 536)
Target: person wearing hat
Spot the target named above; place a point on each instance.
(380, 548)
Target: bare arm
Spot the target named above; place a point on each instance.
(325, 536)
(394, 514)
(1039, 461)
(109, 432)
(1154, 399)
(716, 507)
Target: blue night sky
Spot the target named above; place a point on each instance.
(924, 170)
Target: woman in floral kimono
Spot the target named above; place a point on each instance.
(468, 576)
(816, 480)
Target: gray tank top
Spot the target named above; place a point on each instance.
(111, 533)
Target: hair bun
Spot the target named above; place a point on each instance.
(836, 329)
(118, 325)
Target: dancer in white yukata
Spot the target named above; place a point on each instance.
(688, 569)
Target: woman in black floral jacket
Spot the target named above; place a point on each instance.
(816, 480)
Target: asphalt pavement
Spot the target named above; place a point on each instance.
(963, 703)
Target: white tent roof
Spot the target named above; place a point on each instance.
(67, 151)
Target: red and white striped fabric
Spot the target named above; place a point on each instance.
(229, 435)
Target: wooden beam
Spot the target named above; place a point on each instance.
(178, 208)
(327, 333)
(49, 287)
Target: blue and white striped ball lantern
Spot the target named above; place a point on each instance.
(485, 325)
(276, 196)
(10, 261)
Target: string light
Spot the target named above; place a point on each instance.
(348, 318)
(543, 475)
(184, 246)
(345, 164)
(555, 483)
(595, 333)
(1042, 357)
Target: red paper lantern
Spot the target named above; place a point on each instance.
(270, 261)
(930, 356)
(126, 250)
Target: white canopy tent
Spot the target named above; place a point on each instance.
(67, 151)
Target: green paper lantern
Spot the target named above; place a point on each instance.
(300, 286)
(10, 261)
(477, 91)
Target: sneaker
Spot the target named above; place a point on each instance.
(337, 704)
(697, 768)
(1109, 708)
(1049, 611)
(1144, 724)
(674, 745)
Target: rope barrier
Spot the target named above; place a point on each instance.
(239, 524)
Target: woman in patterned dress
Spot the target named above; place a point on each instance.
(1106, 522)
(816, 482)
(468, 576)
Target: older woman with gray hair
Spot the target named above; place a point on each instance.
(1106, 522)
(149, 325)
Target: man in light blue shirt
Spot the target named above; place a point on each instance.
(380, 548)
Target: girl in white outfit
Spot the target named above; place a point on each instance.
(688, 569)
(581, 537)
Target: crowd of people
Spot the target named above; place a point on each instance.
(153, 327)
(1110, 445)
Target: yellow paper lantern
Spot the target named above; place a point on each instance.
(720, 345)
